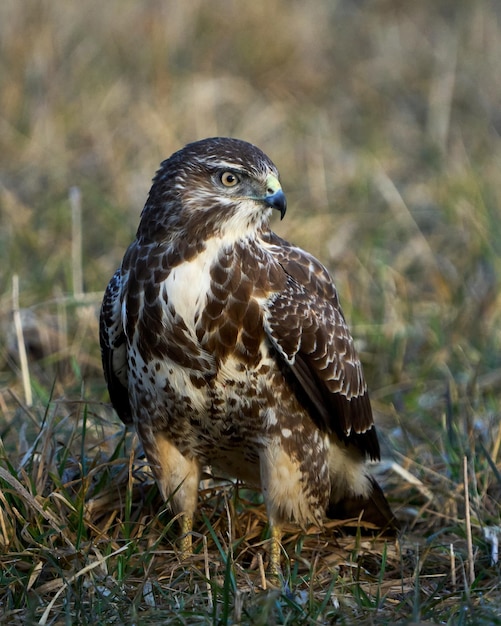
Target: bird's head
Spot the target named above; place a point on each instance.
(218, 186)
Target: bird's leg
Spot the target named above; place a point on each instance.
(274, 465)
(178, 477)
(274, 568)
(186, 539)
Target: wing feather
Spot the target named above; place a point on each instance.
(114, 348)
(306, 325)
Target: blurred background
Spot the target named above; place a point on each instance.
(383, 117)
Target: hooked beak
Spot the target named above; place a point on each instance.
(275, 197)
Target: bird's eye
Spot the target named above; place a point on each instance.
(229, 179)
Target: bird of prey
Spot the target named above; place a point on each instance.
(225, 346)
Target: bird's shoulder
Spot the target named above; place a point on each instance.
(302, 268)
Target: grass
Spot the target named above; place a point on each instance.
(383, 118)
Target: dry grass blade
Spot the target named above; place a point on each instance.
(25, 373)
(75, 198)
(469, 540)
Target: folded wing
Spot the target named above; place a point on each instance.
(305, 324)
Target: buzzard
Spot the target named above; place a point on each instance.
(226, 346)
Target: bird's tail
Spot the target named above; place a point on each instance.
(373, 508)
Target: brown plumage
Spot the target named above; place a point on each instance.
(226, 346)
